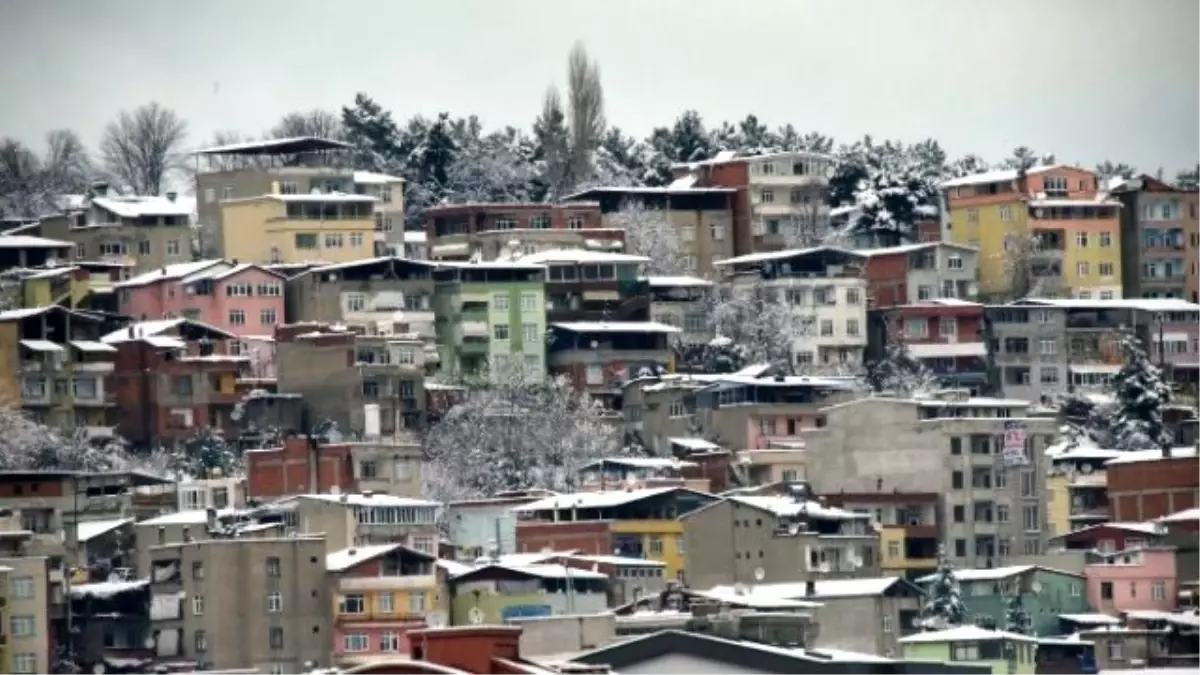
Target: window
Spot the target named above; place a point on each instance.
(966, 651)
(539, 221)
(973, 216)
(356, 240)
(1082, 269)
(1106, 590)
(1055, 186)
(333, 240)
(1048, 346)
(1031, 521)
(767, 196)
(826, 327)
(1116, 650)
(960, 548)
(81, 250)
(1081, 239)
(717, 232)
(500, 302)
(1105, 239)
(273, 567)
(947, 326)
(894, 549)
(1106, 269)
(306, 241)
(677, 408)
(852, 327)
(529, 302)
(237, 317)
(198, 605)
(1158, 590)
(853, 297)
(955, 445)
(198, 571)
(274, 602)
(173, 247)
(266, 316)
(276, 637)
(210, 195)
(687, 233)
(954, 262)
(24, 626)
(355, 642)
(1048, 375)
(500, 331)
(960, 513)
(1001, 509)
(389, 642)
(529, 333)
(200, 641)
(916, 327)
(416, 603)
(925, 292)
(22, 587)
(956, 480)
(352, 603)
(1006, 213)
(24, 662)
(143, 247)
(575, 222)
(1106, 295)
(594, 374)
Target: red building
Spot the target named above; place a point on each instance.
(454, 230)
(462, 650)
(172, 377)
(901, 275)
(946, 335)
(1112, 537)
(1144, 485)
(299, 467)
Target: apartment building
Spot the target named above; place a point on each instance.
(54, 366)
(779, 198)
(303, 465)
(1077, 224)
(641, 523)
(24, 251)
(1134, 580)
(453, 231)
(506, 245)
(482, 526)
(611, 473)
(339, 372)
(80, 285)
(491, 317)
(173, 376)
(1144, 485)
(391, 236)
(983, 455)
(945, 335)
(1077, 488)
(25, 612)
(380, 593)
(274, 228)
(367, 292)
(281, 582)
(600, 356)
(1160, 234)
(909, 526)
(497, 593)
(145, 232)
(912, 273)
(827, 289)
(362, 519)
(1041, 346)
(770, 539)
(702, 216)
(238, 298)
(682, 302)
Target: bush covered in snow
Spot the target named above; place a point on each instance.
(943, 597)
(1141, 394)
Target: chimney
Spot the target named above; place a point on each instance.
(172, 195)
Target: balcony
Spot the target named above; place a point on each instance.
(387, 583)
(102, 367)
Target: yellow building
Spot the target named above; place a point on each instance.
(1078, 253)
(6, 664)
(295, 228)
(1077, 488)
(904, 558)
(661, 540)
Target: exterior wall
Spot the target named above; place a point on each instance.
(497, 606)
(526, 311)
(1133, 583)
(935, 651)
(667, 534)
(167, 244)
(34, 571)
(259, 230)
(482, 525)
(1058, 594)
(409, 600)
(169, 299)
(1092, 255)
(289, 470)
(588, 537)
(977, 221)
(389, 211)
(847, 320)
(1058, 504)
(869, 624)
(324, 297)
(964, 273)
(448, 228)
(1141, 491)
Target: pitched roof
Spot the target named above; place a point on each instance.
(169, 273)
(998, 573)
(360, 499)
(964, 633)
(133, 207)
(997, 176)
(605, 499)
(783, 255)
(27, 241)
(155, 328)
(340, 561)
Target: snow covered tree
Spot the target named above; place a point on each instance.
(944, 606)
(585, 109)
(1141, 393)
(553, 157)
(685, 141)
(143, 147)
(891, 187)
(967, 165)
(1108, 170)
(30, 185)
(317, 123)
(1085, 419)
(515, 430)
(1188, 179)
(719, 355)
(203, 454)
(1029, 267)
(898, 373)
(373, 133)
(649, 233)
(1022, 158)
(26, 445)
(492, 169)
(759, 324)
(1016, 619)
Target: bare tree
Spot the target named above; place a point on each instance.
(1033, 268)
(142, 147)
(585, 105)
(31, 184)
(648, 232)
(67, 164)
(317, 123)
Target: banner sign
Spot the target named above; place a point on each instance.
(1013, 452)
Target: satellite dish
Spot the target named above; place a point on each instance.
(739, 589)
(916, 622)
(436, 619)
(148, 643)
(1036, 587)
(475, 616)
(759, 574)
(1085, 469)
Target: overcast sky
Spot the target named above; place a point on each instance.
(1085, 79)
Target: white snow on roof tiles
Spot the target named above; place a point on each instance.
(550, 571)
(185, 517)
(788, 507)
(579, 255)
(373, 178)
(998, 176)
(133, 207)
(141, 329)
(692, 443)
(107, 589)
(1132, 456)
(826, 588)
(346, 558)
(23, 313)
(616, 560)
(964, 633)
(1146, 304)
(90, 529)
(909, 248)
(592, 500)
(641, 462)
(676, 282)
(1092, 619)
(42, 346)
(1132, 526)
(616, 327)
(28, 241)
(169, 273)
(92, 346)
(781, 255)
(754, 599)
(1185, 516)
(370, 500)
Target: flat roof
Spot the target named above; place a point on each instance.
(275, 146)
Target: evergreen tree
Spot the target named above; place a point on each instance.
(372, 132)
(204, 453)
(1187, 180)
(944, 606)
(1141, 395)
(553, 156)
(1016, 619)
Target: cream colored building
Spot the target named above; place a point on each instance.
(293, 228)
(27, 624)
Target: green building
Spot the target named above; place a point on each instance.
(490, 316)
(494, 593)
(1045, 593)
(1004, 652)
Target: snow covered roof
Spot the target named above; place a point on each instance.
(1132, 456)
(42, 346)
(313, 197)
(616, 327)
(701, 380)
(751, 597)
(782, 255)
(605, 499)
(134, 207)
(641, 462)
(169, 273)
(292, 144)
(788, 507)
(360, 499)
(680, 186)
(541, 570)
(1145, 304)
(693, 443)
(412, 237)
(185, 517)
(946, 349)
(27, 241)
(909, 248)
(616, 560)
(1185, 516)
(1050, 203)
(997, 573)
(676, 282)
(824, 588)
(728, 156)
(90, 529)
(340, 561)
(364, 262)
(146, 329)
(372, 178)
(92, 346)
(1091, 619)
(578, 256)
(964, 633)
(108, 589)
(225, 271)
(999, 176)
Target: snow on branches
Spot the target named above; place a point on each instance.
(891, 187)
(944, 606)
(515, 430)
(898, 373)
(26, 445)
(759, 325)
(649, 233)
(1141, 394)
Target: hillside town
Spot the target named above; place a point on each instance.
(366, 397)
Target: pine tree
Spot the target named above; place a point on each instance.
(1141, 395)
(943, 602)
(1016, 619)
(205, 453)
(372, 132)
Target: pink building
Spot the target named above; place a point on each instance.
(1133, 580)
(243, 299)
(763, 429)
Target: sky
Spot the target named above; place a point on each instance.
(1086, 80)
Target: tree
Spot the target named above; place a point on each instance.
(373, 133)
(1142, 393)
(944, 606)
(1085, 420)
(1188, 179)
(1033, 269)
(205, 453)
(493, 169)
(515, 430)
(685, 141)
(143, 147)
(759, 325)
(1016, 619)
(719, 355)
(649, 233)
(554, 147)
(67, 164)
(967, 165)
(26, 445)
(898, 373)
(316, 123)
(585, 106)
(892, 189)
(31, 185)
(1023, 158)
(1108, 170)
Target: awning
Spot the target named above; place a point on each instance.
(1095, 368)
(42, 346)
(92, 346)
(946, 349)
(451, 249)
(692, 443)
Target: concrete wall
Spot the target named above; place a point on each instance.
(565, 634)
